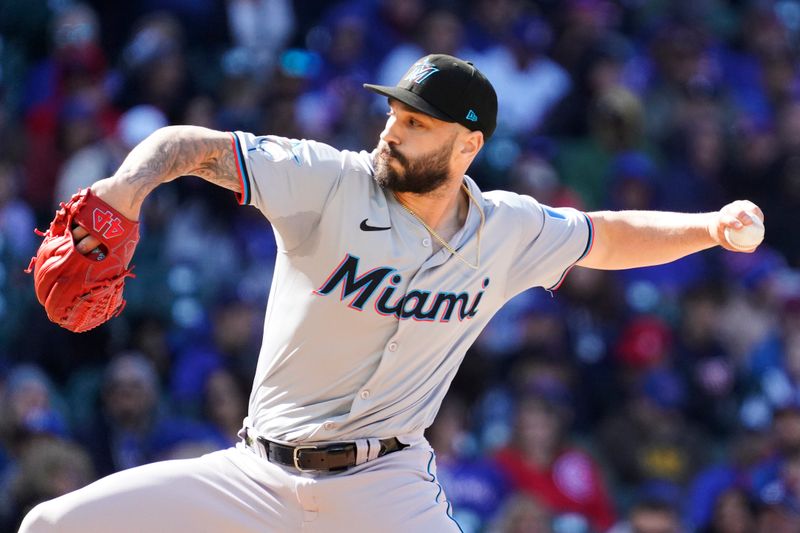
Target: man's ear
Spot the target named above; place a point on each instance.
(471, 144)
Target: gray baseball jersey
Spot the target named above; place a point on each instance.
(366, 323)
(365, 328)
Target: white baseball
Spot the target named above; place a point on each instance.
(746, 237)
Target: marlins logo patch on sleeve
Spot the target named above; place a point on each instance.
(279, 149)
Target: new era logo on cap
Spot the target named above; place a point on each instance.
(449, 89)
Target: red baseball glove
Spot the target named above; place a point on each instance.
(80, 292)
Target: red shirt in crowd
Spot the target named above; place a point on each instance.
(571, 483)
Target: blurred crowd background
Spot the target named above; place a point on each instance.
(657, 400)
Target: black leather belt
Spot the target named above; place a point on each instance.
(328, 458)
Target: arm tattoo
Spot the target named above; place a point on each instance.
(221, 168)
(180, 151)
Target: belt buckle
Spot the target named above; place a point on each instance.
(296, 457)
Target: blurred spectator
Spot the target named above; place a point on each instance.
(342, 40)
(694, 183)
(204, 20)
(149, 337)
(29, 409)
(783, 185)
(441, 32)
(734, 512)
(130, 429)
(685, 81)
(752, 156)
(756, 71)
(770, 369)
(777, 518)
(593, 316)
(118, 438)
(67, 102)
(101, 158)
(633, 182)
(260, 29)
(541, 461)
(776, 480)
(532, 322)
(583, 25)
(521, 513)
(720, 494)
(645, 344)
(331, 109)
(532, 82)
(225, 404)
(650, 516)
(186, 242)
(15, 213)
(615, 123)
(473, 484)
(17, 245)
(649, 439)
(392, 24)
(748, 319)
(599, 69)
(48, 469)
(28, 415)
(156, 69)
(778, 493)
(533, 174)
(229, 345)
(490, 22)
(709, 370)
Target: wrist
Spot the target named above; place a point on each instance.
(713, 228)
(117, 193)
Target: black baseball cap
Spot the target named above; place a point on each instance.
(449, 89)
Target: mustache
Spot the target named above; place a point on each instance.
(387, 150)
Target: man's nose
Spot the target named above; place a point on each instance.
(390, 134)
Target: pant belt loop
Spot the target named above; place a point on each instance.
(374, 449)
(361, 451)
(261, 448)
(254, 443)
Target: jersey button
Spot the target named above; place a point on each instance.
(392, 346)
(329, 425)
(364, 394)
(426, 242)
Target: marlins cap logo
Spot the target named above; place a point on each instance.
(420, 72)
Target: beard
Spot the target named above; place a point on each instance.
(420, 175)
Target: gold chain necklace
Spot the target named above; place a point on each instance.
(444, 243)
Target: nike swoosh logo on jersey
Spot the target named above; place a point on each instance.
(366, 227)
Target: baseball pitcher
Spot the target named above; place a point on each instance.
(390, 263)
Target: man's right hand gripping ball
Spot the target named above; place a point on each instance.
(80, 292)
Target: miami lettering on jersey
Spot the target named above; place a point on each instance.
(382, 283)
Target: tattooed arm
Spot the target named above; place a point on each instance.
(168, 153)
(165, 155)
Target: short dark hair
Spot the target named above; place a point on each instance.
(653, 505)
